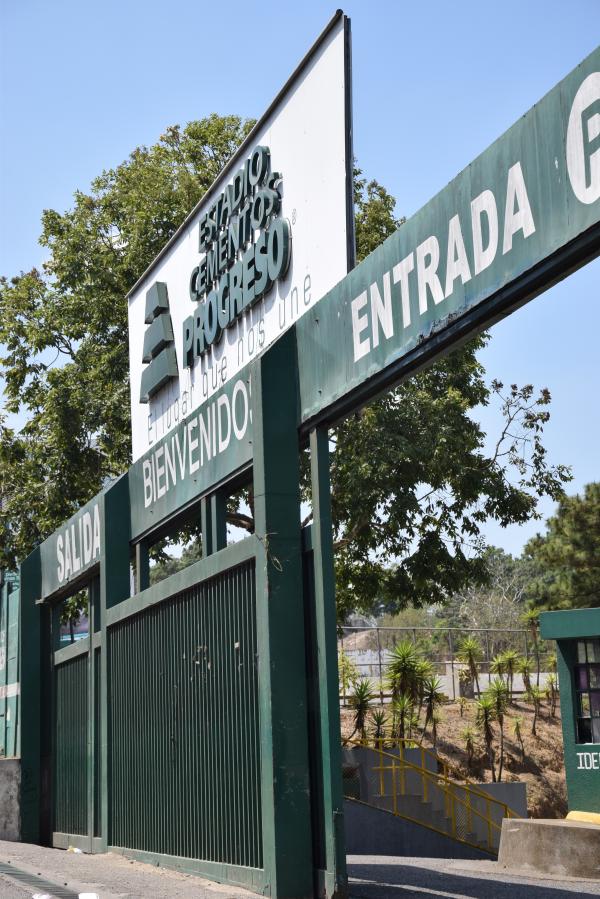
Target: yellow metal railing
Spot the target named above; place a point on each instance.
(447, 771)
(463, 813)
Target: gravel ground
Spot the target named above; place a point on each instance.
(38, 871)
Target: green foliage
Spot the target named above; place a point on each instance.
(518, 732)
(404, 671)
(64, 329)
(485, 716)
(536, 696)
(568, 554)
(469, 735)
(379, 720)
(348, 673)
(552, 693)
(360, 702)
(498, 694)
(403, 710)
(470, 653)
(432, 698)
(525, 668)
(500, 601)
(411, 477)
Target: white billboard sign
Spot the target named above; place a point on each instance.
(272, 235)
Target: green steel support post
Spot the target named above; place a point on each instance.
(93, 608)
(114, 588)
(285, 786)
(336, 881)
(206, 527)
(30, 666)
(142, 566)
(218, 512)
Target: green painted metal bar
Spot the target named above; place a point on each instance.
(218, 510)
(336, 880)
(31, 683)
(285, 787)
(194, 574)
(142, 566)
(206, 527)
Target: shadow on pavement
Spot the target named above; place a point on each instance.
(396, 881)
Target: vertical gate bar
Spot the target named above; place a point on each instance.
(329, 705)
(206, 527)
(115, 585)
(285, 786)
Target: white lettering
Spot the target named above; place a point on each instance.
(427, 272)
(160, 472)
(239, 430)
(193, 445)
(87, 538)
(96, 539)
(147, 475)
(223, 403)
(519, 218)
(381, 310)
(400, 273)
(583, 141)
(359, 324)
(485, 203)
(457, 264)
(59, 555)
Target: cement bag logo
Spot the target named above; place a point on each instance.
(159, 346)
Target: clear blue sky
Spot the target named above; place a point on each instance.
(82, 84)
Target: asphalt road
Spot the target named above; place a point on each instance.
(383, 877)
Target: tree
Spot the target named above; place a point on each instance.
(497, 604)
(412, 481)
(360, 702)
(485, 715)
(433, 698)
(470, 654)
(497, 692)
(568, 554)
(64, 329)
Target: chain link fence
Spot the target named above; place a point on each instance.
(367, 650)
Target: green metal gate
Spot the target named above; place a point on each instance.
(184, 752)
(70, 791)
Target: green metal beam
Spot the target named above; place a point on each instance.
(285, 783)
(336, 880)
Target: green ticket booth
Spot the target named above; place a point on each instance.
(577, 635)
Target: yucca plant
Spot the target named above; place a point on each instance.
(485, 716)
(360, 702)
(552, 693)
(462, 705)
(511, 663)
(403, 711)
(531, 618)
(518, 732)
(535, 696)
(497, 665)
(433, 698)
(379, 720)
(524, 669)
(403, 672)
(348, 673)
(470, 653)
(498, 694)
(469, 735)
(435, 720)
